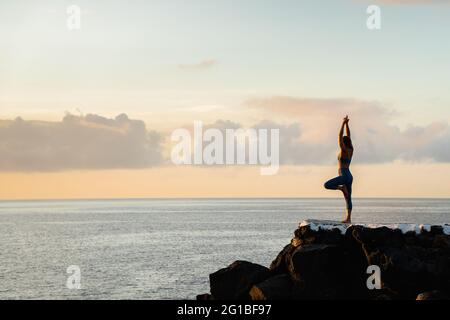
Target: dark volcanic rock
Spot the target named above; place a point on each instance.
(432, 295)
(235, 281)
(441, 241)
(409, 263)
(328, 271)
(314, 262)
(281, 263)
(328, 260)
(204, 297)
(276, 288)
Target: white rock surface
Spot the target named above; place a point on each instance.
(404, 227)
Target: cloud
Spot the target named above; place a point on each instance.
(77, 142)
(308, 135)
(202, 65)
(311, 135)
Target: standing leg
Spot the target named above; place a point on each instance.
(348, 200)
(339, 183)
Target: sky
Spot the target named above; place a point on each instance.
(88, 113)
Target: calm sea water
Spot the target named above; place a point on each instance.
(161, 249)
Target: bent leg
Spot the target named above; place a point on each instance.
(334, 183)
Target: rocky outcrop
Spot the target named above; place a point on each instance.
(235, 281)
(328, 260)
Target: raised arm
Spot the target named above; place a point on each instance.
(341, 136)
(347, 128)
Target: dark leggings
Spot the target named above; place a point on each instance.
(345, 179)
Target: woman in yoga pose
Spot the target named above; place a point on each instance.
(345, 179)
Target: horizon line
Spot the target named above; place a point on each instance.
(220, 198)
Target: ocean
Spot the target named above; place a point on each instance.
(162, 249)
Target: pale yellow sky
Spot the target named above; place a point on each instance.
(390, 180)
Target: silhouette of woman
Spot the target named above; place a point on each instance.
(345, 179)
